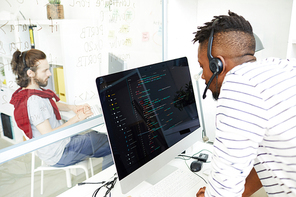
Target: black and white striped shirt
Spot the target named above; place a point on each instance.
(256, 126)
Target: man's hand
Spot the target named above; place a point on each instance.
(84, 112)
(201, 192)
(77, 108)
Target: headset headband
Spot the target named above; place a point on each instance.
(24, 61)
(210, 43)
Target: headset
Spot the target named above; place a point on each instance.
(24, 61)
(215, 64)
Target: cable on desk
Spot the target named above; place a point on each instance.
(195, 173)
(181, 156)
(83, 183)
(109, 185)
(193, 156)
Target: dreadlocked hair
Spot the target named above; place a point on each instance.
(233, 22)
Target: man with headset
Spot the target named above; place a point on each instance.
(256, 112)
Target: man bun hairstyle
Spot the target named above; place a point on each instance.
(22, 61)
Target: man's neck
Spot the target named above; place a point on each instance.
(32, 86)
(247, 58)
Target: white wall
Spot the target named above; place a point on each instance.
(270, 20)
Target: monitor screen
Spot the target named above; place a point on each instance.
(148, 111)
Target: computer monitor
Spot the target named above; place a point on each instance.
(151, 117)
(115, 64)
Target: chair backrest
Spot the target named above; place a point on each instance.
(33, 152)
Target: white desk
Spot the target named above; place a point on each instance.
(88, 189)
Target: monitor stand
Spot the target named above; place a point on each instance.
(161, 174)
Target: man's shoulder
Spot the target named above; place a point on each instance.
(252, 69)
(37, 100)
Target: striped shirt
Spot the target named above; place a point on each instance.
(256, 127)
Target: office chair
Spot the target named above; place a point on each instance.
(43, 167)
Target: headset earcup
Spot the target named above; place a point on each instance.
(216, 65)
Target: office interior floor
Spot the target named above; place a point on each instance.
(15, 178)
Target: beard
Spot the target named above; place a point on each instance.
(215, 95)
(41, 83)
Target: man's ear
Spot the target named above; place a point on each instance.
(30, 73)
(223, 62)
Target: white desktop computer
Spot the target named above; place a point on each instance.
(151, 117)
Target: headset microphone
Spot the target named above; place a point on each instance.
(208, 85)
(215, 64)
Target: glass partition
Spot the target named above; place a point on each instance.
(82, 40)
(16, 171)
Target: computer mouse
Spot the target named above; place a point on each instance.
(195, 166)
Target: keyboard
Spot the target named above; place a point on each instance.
(96, 110)
(174, 185)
